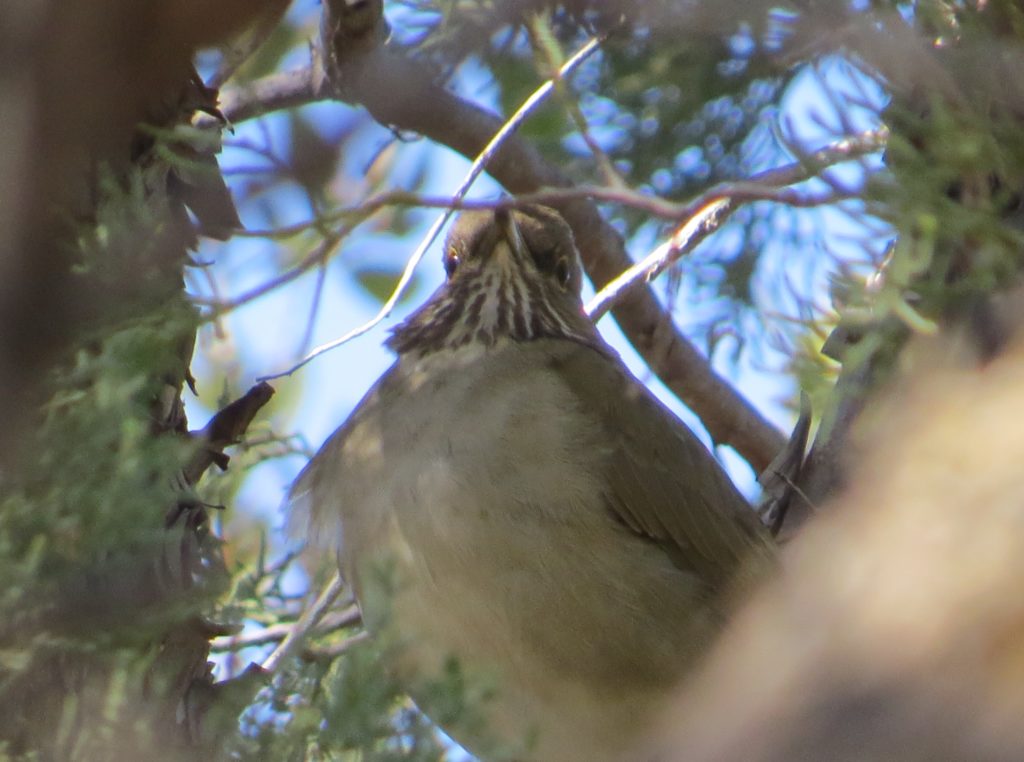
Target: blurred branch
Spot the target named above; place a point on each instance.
(275, 633)
(299, 631)
(241, 46)
(333, 651)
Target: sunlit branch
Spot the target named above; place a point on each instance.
(684, 239)
(710, 210)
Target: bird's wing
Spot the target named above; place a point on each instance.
(308, 517)
(315, 497)
(663, 483)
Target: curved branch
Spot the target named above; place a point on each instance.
(709, 211)
(401, 93)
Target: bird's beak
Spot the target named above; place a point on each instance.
(510, 231)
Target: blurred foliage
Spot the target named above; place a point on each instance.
(82, 520)
(322, 706)
(98, 474)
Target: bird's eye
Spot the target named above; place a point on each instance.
(451, 262)
(562, 272)
(550, 263)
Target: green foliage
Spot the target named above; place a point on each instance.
(89, 581)
(81, 533)
(955, 200)
(98, 480)
(366, 710)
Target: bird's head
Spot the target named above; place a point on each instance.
(511, 273)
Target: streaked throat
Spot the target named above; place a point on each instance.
(498, 302)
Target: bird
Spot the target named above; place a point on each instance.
(509, 498)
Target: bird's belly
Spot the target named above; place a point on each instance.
(570, 663)
(484, 546)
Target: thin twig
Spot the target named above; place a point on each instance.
(275, 633)
(684, 239)
(710, 210)
(314, 308)
(314, 258)
(306, 623)
(548, 48)
(509, 127)
(761, 187)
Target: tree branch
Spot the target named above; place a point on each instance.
(400, 93)
(709, 211)
(269, 94)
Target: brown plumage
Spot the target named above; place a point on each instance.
(509, 495)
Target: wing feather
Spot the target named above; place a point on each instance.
(663, 483)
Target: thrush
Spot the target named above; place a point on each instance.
(510, 497)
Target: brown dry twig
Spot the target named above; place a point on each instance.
(226, 428)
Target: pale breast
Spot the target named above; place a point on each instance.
(472, 521)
